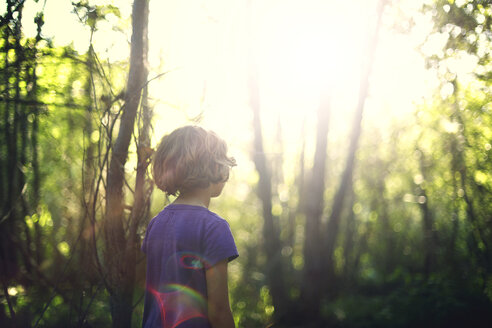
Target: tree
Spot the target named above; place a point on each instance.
(271, 238)
(339, 198)
(314, 206)
(121, 246)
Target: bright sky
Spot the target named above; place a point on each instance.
(301, 48)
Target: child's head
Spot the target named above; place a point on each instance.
(190, 158)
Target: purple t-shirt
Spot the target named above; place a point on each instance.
(181, 242)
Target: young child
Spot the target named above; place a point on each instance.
(188, 247)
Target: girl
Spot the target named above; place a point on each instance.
(188, 247)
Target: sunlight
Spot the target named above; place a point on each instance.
(64, 27)
(308, 51)
(302, 50)
(311, 46)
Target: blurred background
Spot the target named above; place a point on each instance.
(362, 131)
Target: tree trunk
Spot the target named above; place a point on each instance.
(36, 179)
(274, 270)
(455, 165)
(338, 200)
(350, 229)
(19, 146)
(272, 244)
(300, 187)
(388, 232)
(141, 203)
(120, 257)
(88, 252)
(314, 204)
(23, 134)
(429, 234)
(478, 233)
(8, 258)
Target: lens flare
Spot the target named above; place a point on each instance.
(179, 303)
(187, 260)
(192, 261)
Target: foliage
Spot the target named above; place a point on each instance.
(414, 245)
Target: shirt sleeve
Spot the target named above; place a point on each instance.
(219, 243)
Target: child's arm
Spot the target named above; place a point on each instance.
(219, 310)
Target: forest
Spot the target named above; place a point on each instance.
(362, 131)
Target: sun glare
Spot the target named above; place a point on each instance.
(303, 50)
(316, 43)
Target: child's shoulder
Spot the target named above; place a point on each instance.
(216, 216)
(213, 220)
(197, 212)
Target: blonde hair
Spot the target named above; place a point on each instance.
(189, 158)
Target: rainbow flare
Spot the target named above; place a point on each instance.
(179, 303)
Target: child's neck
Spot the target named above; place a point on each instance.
(197, 197)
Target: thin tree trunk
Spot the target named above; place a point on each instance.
(477, 233)
(19, 145)
(429, 243)
(16, 172)
(388, 232)
(88, 254)
(274, 271)
(36, 179)
(36, 182)
(314, 204)
(362, 245)
(338, 200)
(20, 207)
(349, 239)
(9, 301)
(455, 165)
(8, 258)
(23, 134)
(120, 257)
(300, 184)
(7, 123)
(141, 203)
(429, 234)
(272, 244)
